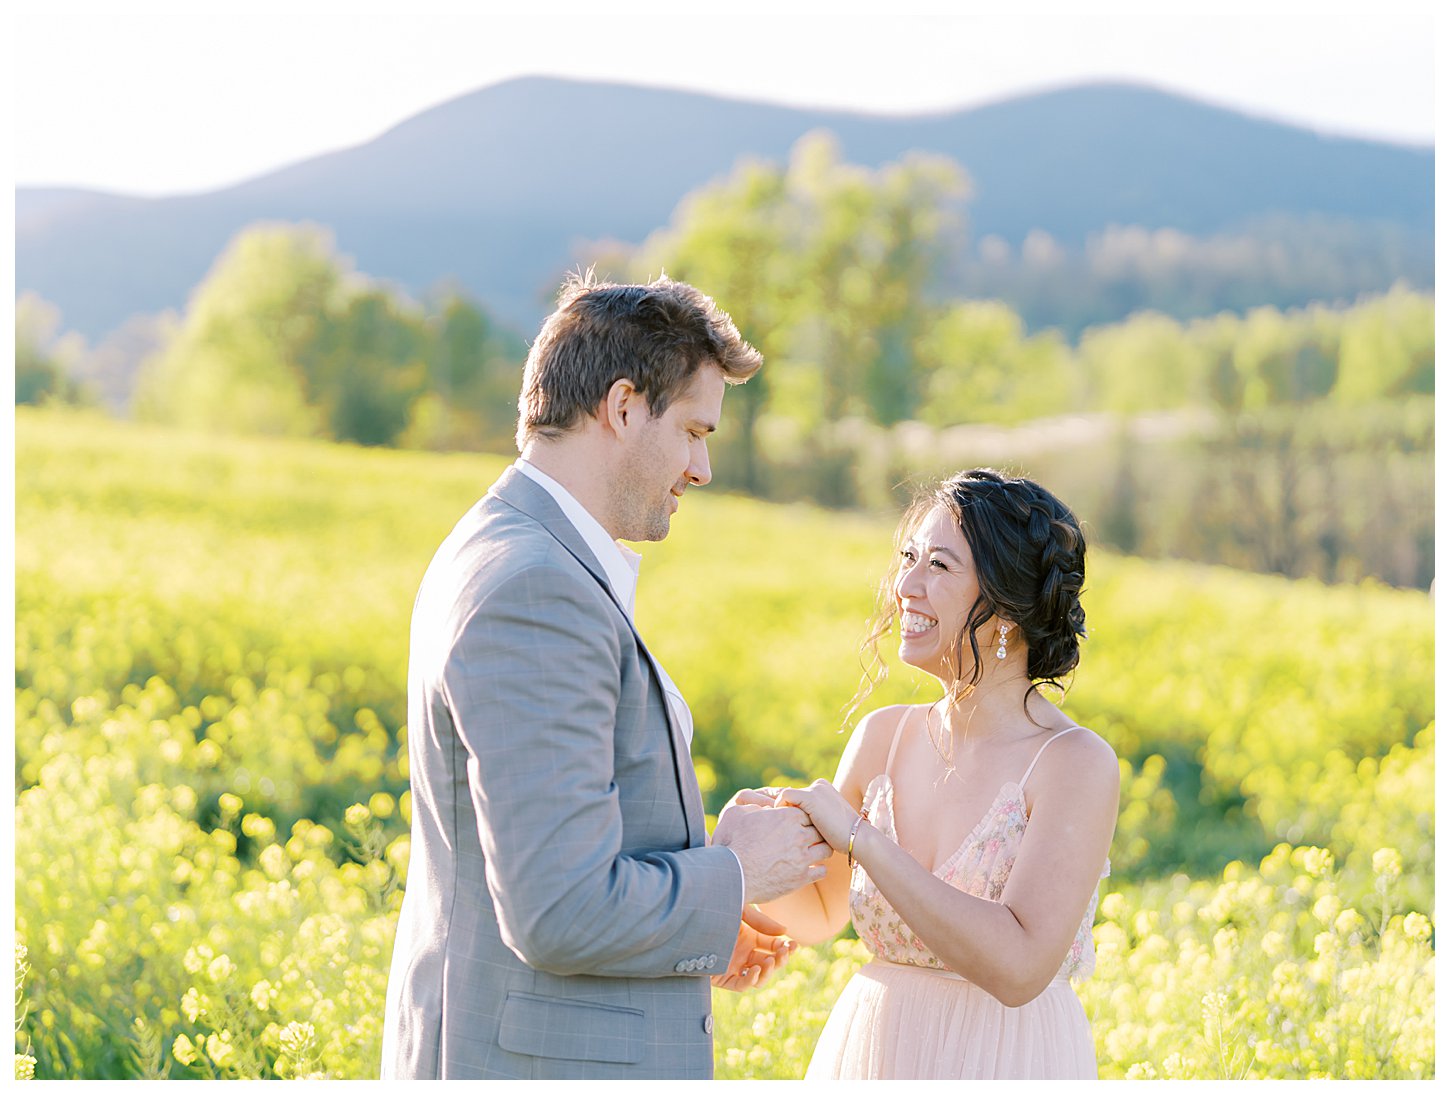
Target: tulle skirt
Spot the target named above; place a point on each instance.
(896, 1022)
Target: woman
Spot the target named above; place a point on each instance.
(971, 832)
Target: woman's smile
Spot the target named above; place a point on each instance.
(914, 623)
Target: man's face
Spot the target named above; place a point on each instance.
(665, 455)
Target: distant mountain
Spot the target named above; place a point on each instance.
(497, 189)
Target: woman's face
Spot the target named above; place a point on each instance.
(936, 586)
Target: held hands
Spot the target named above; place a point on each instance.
(779, 849)
(829, 812)
(761, 948)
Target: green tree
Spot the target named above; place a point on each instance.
(1146, 363)
(1387, 347)
(368, 367)
(246, 356)
(978, 367)
(733, 239)
(826, 267)
(871, 244)
(43, 356)
(474, 369)
(284, 337)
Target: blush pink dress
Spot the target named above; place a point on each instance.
(906, 1016)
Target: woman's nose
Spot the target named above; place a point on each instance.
(908, 582)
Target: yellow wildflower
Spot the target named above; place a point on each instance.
(261, 995)
(1386, 863)
(219, 1048)
(297, 1038)
(1318, 861)
(1417, 926)
(183, 1050)
(220, 968)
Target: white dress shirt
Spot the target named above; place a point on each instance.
(621, 568)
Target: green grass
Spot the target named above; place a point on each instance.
(211, 646)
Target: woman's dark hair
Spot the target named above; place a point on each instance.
(1028, 552)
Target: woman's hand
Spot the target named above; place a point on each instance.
(829, 812)
(754, 796)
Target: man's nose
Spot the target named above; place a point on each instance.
(698, 472)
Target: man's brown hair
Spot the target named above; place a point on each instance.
(656, 336)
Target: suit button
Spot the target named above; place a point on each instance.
(682, 966)
(709, 1024)
(710, 962)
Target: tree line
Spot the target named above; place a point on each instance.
(1229, 438)
(283, 336)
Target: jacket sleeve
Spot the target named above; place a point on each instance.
(533, 681)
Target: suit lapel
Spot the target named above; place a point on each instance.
(521, 492)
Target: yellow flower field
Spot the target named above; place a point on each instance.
(211, 816)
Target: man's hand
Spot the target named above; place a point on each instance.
(761, 948)
(778, 847)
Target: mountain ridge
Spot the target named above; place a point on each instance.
(497, 189)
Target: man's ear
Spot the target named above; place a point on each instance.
(621, 407)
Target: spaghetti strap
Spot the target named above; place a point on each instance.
(1023, 781)
(896, 738)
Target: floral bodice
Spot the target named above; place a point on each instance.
(980, 867)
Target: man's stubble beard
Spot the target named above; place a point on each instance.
(638, 517)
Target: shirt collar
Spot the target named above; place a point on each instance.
(621, 564)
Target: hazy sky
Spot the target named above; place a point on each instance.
(156, 97)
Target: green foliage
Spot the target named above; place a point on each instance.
(211, 817)
(239, 361)
(43, 358)
(1228, 439)
(824, 266)
(979, 367)
(1388, 348)
(282, 337)
(1143, 364)
(1235, 439)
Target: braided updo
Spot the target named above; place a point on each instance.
(1028, 551)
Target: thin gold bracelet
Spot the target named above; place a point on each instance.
(851, 843)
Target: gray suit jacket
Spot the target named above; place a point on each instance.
(562, 914)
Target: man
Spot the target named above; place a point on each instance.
(564, 912)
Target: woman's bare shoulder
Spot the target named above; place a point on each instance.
(1083, 760)
(870, 744)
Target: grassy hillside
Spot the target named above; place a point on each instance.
(211, 818)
